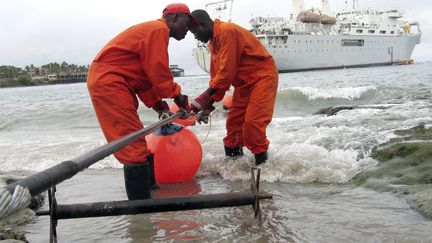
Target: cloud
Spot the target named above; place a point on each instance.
(38, 32)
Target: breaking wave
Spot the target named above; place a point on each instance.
(349, 93)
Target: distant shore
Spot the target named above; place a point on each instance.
(9, 83)
(54, 73)
(51, 73)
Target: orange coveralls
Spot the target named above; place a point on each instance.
(134, 63)
(238, 58)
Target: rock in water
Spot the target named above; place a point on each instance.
(405, 169)
(330, 111)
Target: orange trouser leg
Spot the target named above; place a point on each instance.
(253, 118)
(236, 117)
(259, 113)
(116, 109)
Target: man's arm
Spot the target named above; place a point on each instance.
(155, 63)
(229, 58)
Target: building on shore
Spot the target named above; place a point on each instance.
(177, 71)
(52, 73)
(64, 75)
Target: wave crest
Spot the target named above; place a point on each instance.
(310, 93)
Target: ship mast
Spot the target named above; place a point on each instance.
(297, 7)
(355, 5)
(325, 7)
(219, 9)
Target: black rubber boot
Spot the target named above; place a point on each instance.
(234, 152)
(261, 158)
(139, 179)
(150, 160)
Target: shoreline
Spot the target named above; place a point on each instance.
(405, 168)
(17, 84)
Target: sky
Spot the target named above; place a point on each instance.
(43, 31)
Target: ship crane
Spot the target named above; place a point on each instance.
(354, 5)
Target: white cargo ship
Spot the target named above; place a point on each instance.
(317, 39)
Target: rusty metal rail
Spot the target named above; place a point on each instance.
(155, 205)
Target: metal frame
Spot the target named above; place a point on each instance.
(153, 205)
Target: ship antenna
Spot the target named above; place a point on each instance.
(230, 12)
(355, 5)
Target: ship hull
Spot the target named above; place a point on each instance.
(309, 52)
(313, 52)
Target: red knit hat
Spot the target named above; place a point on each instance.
(180, 8)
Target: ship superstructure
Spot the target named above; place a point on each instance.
(317, 39)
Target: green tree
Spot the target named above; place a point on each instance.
(23, 80)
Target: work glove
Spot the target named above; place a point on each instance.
(203, 116)
(162, 108)
(182, 102)
(201, 101)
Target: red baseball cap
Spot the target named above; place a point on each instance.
(180, 8)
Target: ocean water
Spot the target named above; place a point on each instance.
(313, 159)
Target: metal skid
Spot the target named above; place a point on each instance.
(154, 205)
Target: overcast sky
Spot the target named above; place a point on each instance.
(43, 31)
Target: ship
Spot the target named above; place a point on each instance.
(311, 39)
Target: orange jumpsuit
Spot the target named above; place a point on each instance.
(133, 64)
(238, 58)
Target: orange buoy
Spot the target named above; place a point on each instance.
(227, 101)
(177, 153)
(190, 121)
(181, 230)
(178, 190)
(176, 229)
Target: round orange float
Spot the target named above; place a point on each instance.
(227, 101)
(177, 153)
(190, 121)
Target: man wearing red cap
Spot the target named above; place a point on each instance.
(134, 65)
(239, 59)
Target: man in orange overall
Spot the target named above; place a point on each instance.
(239, 59)
(135, 64)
